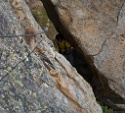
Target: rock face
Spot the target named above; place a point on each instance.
(33, 77)
(97, 27)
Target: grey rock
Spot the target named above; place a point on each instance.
(34, 78)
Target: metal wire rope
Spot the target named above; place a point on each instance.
(24, 35)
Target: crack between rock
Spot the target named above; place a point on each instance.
(101, 48)
(123, 67)
(120, 9)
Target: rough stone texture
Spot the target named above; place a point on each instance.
(97, 28)
(33, 77)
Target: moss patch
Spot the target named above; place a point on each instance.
(41, 17)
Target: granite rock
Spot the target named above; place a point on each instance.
(34, 78)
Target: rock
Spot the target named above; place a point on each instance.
(33, 77)
(97, 28)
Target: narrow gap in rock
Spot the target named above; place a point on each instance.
(80, 59)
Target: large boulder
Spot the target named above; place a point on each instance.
(97, 28)
(33, 77)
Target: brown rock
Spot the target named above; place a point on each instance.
(97, 28)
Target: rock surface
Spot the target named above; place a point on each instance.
(97, 27)
(33, 77)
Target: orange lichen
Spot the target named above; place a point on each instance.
(29, 39)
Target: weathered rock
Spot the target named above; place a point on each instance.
(33, 77)
(97, 27)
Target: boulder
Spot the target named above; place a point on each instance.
(34, 78)
(96, 27)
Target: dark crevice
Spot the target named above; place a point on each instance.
(63, 30)
(119, 12)
(84, 69)
(87, 69)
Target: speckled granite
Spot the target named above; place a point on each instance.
(33, 77)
